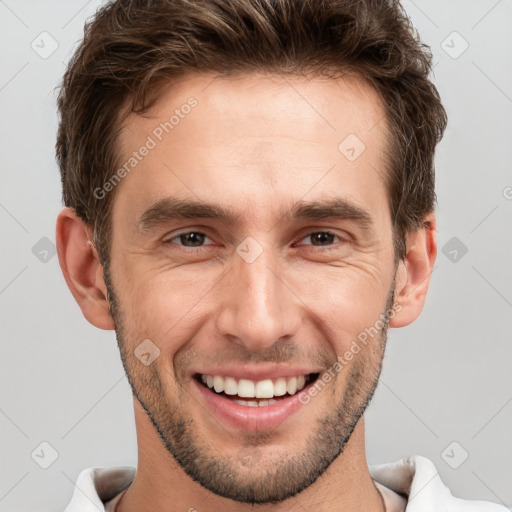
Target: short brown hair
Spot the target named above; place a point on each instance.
(133, 47)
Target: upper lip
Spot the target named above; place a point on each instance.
(258, 372)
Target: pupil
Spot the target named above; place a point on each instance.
(322, 237)
(195, 238)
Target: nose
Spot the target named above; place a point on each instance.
(258, 307)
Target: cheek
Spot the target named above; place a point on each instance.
(164, 306)
(345, 301)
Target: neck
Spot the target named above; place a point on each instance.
(161, 484)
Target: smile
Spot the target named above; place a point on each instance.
(252, 405)
(262, 389)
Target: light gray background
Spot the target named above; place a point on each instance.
(446, 378)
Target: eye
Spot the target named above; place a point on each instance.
(322, 238)
(188, 239)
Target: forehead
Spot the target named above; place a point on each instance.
(252, 140)
(314, 106)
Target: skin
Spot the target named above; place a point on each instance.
(257, 144)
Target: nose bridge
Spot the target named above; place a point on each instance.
(258, 309)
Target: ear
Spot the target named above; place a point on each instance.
(413, 273)
(82, 270)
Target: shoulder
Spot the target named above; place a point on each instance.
(96, 486)
(417, 478)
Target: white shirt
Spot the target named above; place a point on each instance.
(411, 484)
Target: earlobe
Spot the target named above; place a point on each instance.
(413, 273)
(81, 268)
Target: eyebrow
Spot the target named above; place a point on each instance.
(172, 208)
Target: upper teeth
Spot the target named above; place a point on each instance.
(261, 389)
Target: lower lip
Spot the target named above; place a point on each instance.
(249, 418)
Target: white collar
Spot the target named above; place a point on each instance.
(414, 477)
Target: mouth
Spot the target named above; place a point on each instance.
(253, 405)
(252, 393)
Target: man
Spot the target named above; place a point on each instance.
(249, 191)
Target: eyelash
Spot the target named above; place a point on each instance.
(198, 248)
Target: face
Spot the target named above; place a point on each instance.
(283, 257)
